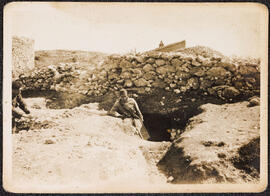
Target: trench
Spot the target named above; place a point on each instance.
(158, 125)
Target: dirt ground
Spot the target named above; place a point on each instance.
(83, 147)
(209, 147)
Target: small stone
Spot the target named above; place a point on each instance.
(172, 85)
(195, 63)
(128, 83)
(170, 179)
(167, 88)
(141, 82)
(49, 141)
(148, 67)
(160, 62)
(135, 95)
(177, 91)
(254, 101)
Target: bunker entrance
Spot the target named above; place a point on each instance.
(159, 126)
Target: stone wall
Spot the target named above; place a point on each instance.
(22, 55)
(178, 73)
(154, 78)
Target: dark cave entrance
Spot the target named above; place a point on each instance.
(158, 124)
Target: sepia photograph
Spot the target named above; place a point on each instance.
(135, 97)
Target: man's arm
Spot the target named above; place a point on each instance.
(114, 110)
(22, 105)
(137, 110)
(16, 113)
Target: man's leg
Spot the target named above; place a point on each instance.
(137, 124)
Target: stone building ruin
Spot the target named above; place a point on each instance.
(23, 55)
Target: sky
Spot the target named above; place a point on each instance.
(230, 28)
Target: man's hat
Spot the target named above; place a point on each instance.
(16, 84)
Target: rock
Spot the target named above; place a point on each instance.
(170, 179)
(165, 69)
(125, 75)
(128, 83)
(150, 60)
(167, 88)
(181, 82)
(197, 71)
(160, 62)
(253, 101)
(224, 92)
(113, 76)
(119, 81)
(218, 72)
(136, 71)
(183, 89)
(125, 63)
(49, 141)
(230, 92)
(158, 84)
(193, 83)
(140, 59)
(229, 66)
(183, 68)
(141, 82)
(149, 75)
(147, 89)
(246, 70)
(204, 84)
(148, 67)
(172, 85)
(195, 63)
(176, 62)
(207, 63)
(177, 91)
(183, 75)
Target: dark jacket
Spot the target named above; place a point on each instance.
(17, 101)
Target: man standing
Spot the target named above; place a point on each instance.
(126, 107)
(17, 101)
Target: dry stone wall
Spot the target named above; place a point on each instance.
(178, 73)
(22, 55)
(147, 76)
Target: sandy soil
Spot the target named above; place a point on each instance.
(210, 143)
(83, 147)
